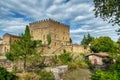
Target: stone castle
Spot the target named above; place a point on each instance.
(58, 32)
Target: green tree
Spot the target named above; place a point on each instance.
(103, 44)
(108, 10)
(22, 48)
(118, 42)
(87, 40)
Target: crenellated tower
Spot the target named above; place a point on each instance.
(60, 34)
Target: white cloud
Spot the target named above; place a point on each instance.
(76, 13)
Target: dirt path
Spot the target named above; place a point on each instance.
(80, 74)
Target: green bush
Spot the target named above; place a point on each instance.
(55, 60)
(5, 75)
(102, 75)
(65, 58)
(43, 75)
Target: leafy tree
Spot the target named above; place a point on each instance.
(86, 40)
(22, 48)
(118, 41)
(103, 44)
(108, 10)
(5, 75)
(49, 39)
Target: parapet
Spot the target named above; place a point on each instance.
(47, 20)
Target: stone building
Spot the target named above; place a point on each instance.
(78, 48)
(97, 58)
(6, 41)
(59, 33)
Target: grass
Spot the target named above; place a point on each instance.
(78, 74)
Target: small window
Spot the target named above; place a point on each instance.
(44, 37)
(55, 44)
(55, 36)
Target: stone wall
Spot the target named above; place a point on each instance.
(10, 65)
(1, 49)
(60, 35)
(6, 41)
(78, 48)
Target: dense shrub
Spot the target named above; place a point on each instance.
(65, 58)
(105, 75)
(43, 75)
(5, 75)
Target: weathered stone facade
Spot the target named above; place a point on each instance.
(78, 48)
(60, 35)
(6, 41)
(60, 40)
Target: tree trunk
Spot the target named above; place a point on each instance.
(24, 64)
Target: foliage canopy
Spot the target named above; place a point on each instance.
(103, 44)
(86, 40)
(22, 48)
(108, 10)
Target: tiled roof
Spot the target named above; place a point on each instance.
(11, 35)
(100, 54)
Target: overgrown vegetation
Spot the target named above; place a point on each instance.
(48, 39)
(103, 44)
(5, 75)
(65, 58)
(43, 75)
(111, 72)
(74, 61)
(105, 75)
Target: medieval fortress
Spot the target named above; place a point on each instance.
(58, 32)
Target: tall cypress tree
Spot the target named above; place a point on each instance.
(86, 40)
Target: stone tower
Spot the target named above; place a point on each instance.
(60, 34)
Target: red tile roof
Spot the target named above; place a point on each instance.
(100, 54)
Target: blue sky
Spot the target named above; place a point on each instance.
(78, 14)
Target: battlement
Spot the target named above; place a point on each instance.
(47, 21)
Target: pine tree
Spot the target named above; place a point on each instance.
(22, 48)
(86, 40)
